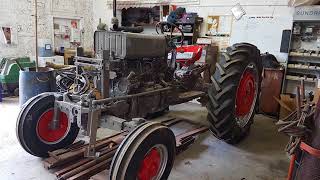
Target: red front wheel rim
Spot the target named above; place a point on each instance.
(154, 163)
(44, 128)
(246, 95)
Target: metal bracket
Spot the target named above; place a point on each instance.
(94, 115)
(56, 115)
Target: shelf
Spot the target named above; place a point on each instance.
(218, 35)
(303, 55)
(303, 69)
(179, 34)
(301, 63)
(297, 78)
(315, 72)
(306, 59)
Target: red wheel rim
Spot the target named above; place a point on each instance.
(46, 133)
(150, 165)
(246, 94)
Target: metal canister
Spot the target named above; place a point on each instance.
(32, 83)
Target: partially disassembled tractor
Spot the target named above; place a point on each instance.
(133, 77)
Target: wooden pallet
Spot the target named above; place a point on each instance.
(101, 176)
(70, 164)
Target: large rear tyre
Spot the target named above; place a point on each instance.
(234, 92)
(34, 130)
(147, 153)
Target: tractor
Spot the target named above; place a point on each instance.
(130, 78)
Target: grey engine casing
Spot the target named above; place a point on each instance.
(131, 45)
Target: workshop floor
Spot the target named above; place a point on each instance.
(260, 156)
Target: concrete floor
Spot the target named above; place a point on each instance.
(260, 156)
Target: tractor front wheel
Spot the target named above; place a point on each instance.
(147, 153)
(34, 127)
(234, 92)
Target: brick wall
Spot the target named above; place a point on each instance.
(18, 14)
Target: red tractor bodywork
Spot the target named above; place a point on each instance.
(188, 55)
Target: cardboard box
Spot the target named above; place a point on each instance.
(289, 102)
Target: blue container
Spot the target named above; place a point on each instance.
(32, 83)
(0, 93)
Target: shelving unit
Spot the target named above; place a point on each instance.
(296, 78)
(191, 30)
(304, 51)
(179, 34)
(303, 69)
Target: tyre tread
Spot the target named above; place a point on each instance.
(222, 94)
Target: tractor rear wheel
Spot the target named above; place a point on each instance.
(34, 130)
(234, 92)
(147, 153)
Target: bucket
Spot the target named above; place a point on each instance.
(32, 83)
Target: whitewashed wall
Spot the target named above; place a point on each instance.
(264, 33)
(18, 15)
(101, 10)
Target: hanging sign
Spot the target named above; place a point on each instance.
(307, 13)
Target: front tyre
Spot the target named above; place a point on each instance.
(147, 153)
(34, 127)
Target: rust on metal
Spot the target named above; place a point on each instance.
(190, 133)
(298, 100)
(86, 174)
(302, 90)
(296, 124)
(87, 165)
(71, 163)
(69, 156)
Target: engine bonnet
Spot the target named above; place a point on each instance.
(131, 45)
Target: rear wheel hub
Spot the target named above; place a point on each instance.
(150, 165)
(154, 163)
(45, 131)
(246, 96)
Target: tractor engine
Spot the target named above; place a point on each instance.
(138, 63)
(135, 76)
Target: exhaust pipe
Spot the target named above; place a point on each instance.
(114, 20)
(114, 8)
